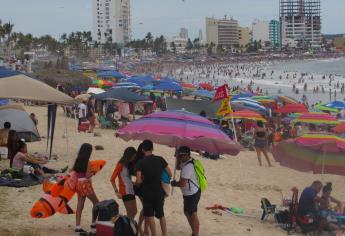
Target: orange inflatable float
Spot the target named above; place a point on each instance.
(57, 193)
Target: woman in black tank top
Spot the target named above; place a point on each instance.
(261, 142)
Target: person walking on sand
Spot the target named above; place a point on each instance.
(125, 190)
(91, 114)
(191, 191)
(149, 174)
(261, 142)
(81, 174)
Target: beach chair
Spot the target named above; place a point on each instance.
(267, 209)
(104, 123)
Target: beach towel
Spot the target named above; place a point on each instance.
(19, 179)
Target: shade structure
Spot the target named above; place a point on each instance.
(246, 114)
(20, 122)
(178, 128)
(203, 93)
(206, 86)
(317, 118)
(339, 128)
(292, 108)
(122, 94)
(323, 107)
(92, 90)
(322, 141)
(15, 85)
(336, 105)
(263, 99)
(110, 74)
(291, 155)
(247, 104)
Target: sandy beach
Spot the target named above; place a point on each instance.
(233, 182)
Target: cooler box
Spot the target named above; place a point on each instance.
(84, 126)
(104, 228)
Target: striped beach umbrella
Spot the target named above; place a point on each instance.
(246, 115)
(178, 128)
(316, 118)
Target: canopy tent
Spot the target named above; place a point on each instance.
(15, 85)
(110, 74)
(122, 94)
(92, 90)
(20, 122)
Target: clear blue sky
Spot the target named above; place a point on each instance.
(157, 16)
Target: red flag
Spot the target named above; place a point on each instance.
(221, 93)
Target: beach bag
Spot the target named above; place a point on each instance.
(125, 227)
(106, 210)
(200, 174)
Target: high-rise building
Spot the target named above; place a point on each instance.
(244, 36)
(300, 23)
(111, 21)
(201, 36)
(184, 33)
(275, 33)
(222, 32)
(261, 31)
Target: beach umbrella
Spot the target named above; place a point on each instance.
(286, 99)
(263, 99)
(319, 155)
(122, 94)
(241, 95)
(206, 86)
(336, 105)
(148, 87)
(188, 86)
(317, 118)
(323, 107)
(168, 86)
(126, 85)
(292, 108)
(203, 93)
(246, 114)
(110, 74)
(339, 128)
(92, 90)
(245, 104)
(83, 97)
(179, 128)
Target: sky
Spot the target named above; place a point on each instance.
(160, 17)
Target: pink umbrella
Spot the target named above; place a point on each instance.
(180, 128)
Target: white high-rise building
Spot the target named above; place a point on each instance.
(111, 21)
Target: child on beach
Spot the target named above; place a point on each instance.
(84, 189)
(125, 190)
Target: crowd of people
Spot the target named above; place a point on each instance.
(140, 173)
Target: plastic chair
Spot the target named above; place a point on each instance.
(267, 208)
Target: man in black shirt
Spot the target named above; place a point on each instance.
(149, 174)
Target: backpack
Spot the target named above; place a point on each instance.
(200, 174)
(125, 227)
(106, 210)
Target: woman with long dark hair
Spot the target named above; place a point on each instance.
(261, 142)
(84, 187)
(125, 191)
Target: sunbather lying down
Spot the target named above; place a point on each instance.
(22, 158)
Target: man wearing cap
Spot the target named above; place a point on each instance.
(189, 185)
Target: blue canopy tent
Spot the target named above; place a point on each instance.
(122, 94)
(110, 74)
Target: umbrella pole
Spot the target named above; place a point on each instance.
(175, 169)
(66, 136)
(323, 163)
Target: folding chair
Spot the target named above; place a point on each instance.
(267, 208)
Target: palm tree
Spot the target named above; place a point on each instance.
(7, 30)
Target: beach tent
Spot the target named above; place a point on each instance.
(15, 85)
(20, 122)
(110, 74)
(122, 94)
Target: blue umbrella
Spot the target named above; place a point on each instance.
(203, 93)
(336, 105)
(253, 106)
(241, 95)
(110, 73)
(126, 85)
(148, 87)
(168, 86)
(141, 80)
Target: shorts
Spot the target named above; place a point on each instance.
(260, 143)
(138, 190)
(153, 205)
(128, 197)
(84, 187)
(190, 203)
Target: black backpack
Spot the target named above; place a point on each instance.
(106, 210)
(125, 227)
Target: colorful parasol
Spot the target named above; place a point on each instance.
(325, 141)
(287, 99)
(317, 118)
(339, 128)
(180, 128)
(319, 161)
(323, 107)
(263, 99)
(292, 108)
(246, 114)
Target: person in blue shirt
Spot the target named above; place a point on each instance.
(308, 201)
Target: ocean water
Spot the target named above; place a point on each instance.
(323, 67)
